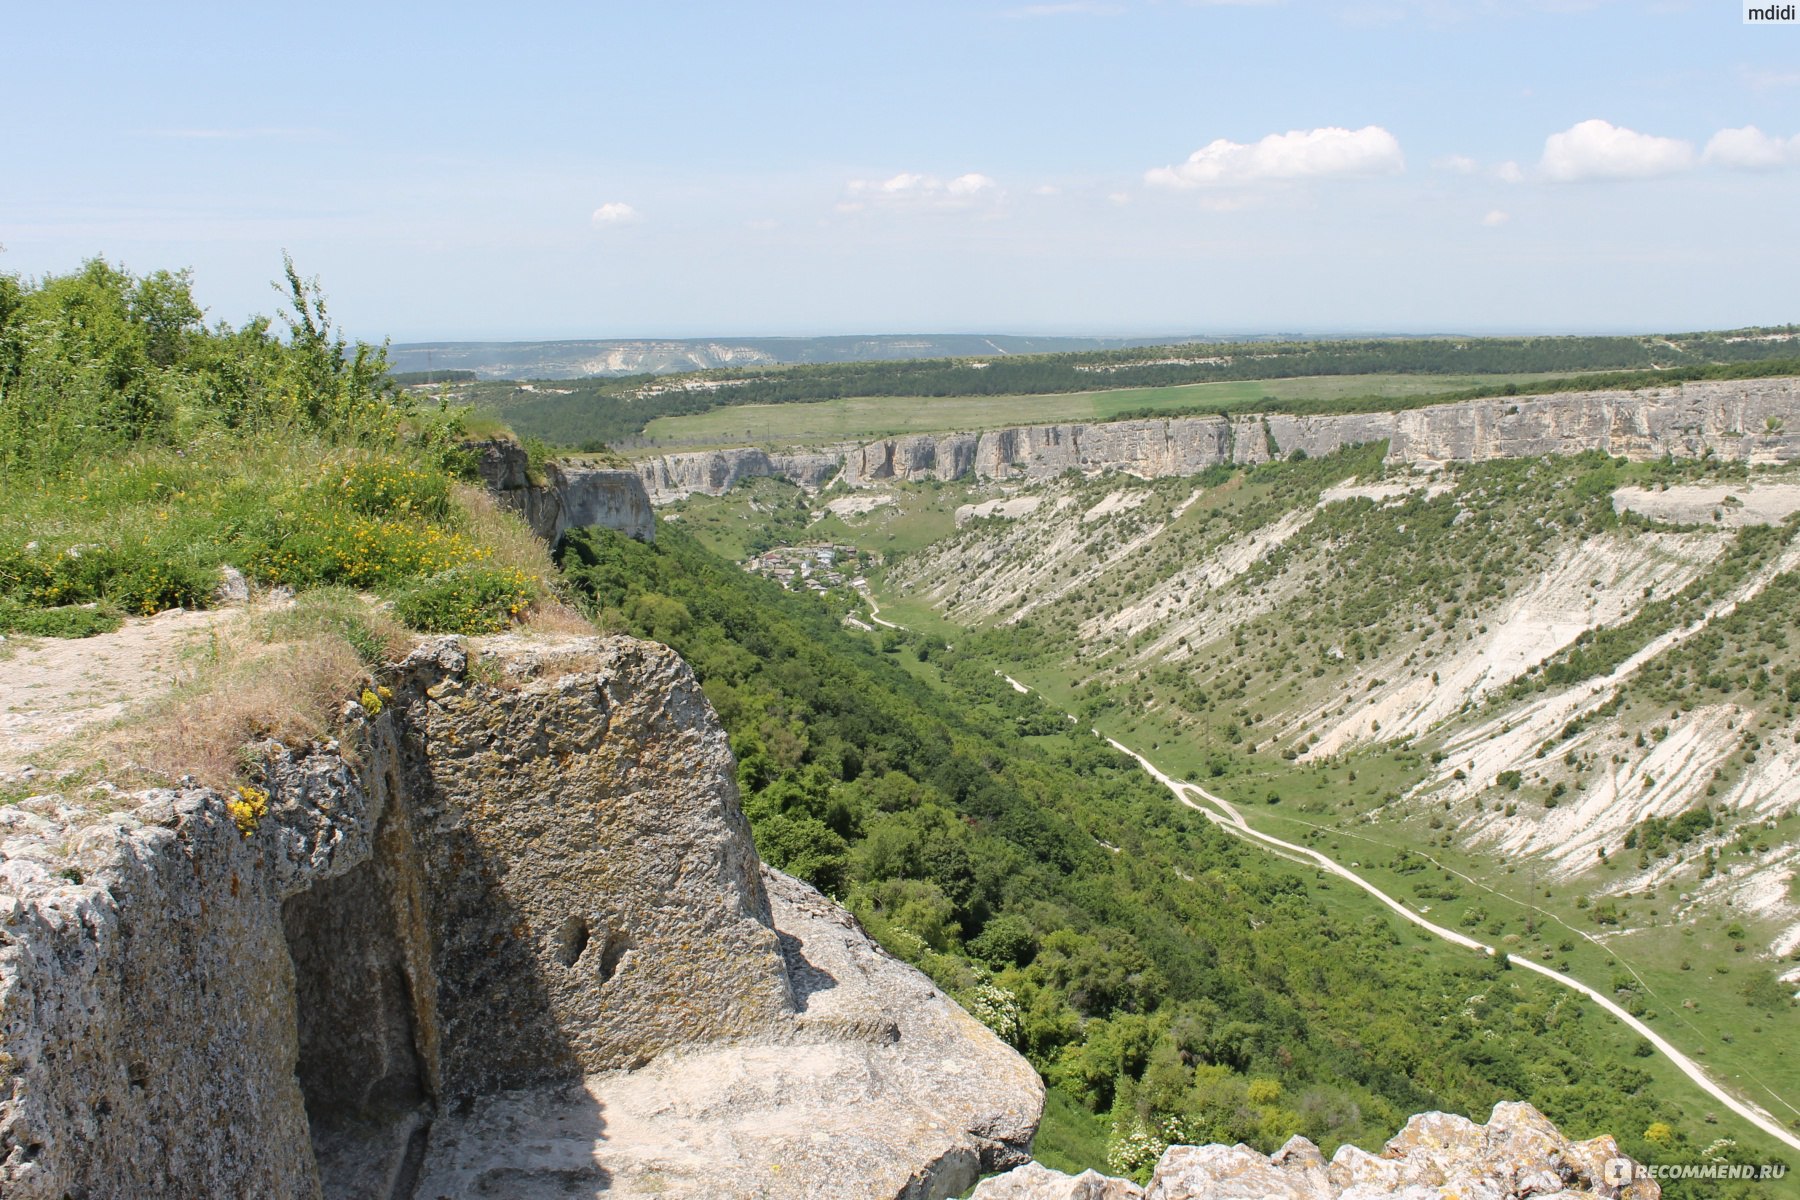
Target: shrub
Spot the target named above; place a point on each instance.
(466, 599)
(74, 622)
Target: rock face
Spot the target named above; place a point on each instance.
(880, 1087)
(713, 473)
(1518, 1154)
(909, 459)
(571, 497)
(1756, 421)
(1752, 420)
(524, 948)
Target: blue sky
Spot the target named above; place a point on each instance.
(686, 169)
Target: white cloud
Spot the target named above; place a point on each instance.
(1509, 172)
(1598, 149)
(1119, 198)
(614, 213)
(1496, 217)
(1459, 164)
(911, 190)
(1750, 149)
(1297, 154)
(970, 185)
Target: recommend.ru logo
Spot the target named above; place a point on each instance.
(1620, 1171)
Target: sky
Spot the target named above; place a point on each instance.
(600, 170)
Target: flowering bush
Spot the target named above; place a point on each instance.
(996, 1007)
(467, 599)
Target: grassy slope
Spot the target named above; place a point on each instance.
(1747, 1044)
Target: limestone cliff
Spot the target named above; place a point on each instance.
(569, 496)
(1754, 420)
(713, 473)
(1516, 1155)
(511, 939)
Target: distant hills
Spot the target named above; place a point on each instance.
(662, 356)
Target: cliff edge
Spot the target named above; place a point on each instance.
(1518, 1155)
(1753, 420)
(511, 937)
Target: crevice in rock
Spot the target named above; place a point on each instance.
(571, 940)
(365, 1068)
(618, 944)
(406, 1179)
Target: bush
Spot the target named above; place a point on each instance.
(1007, 941)
(74, 622)
(466, 599)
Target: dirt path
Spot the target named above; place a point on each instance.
(1227, 816)
(52, 688)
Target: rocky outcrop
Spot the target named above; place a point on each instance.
(1751, 420)
(1033, 1181)
(911, 459)
(522, 947)
(1518, 1154)
(588, 496)
(569, 496)
(881, 1087)
(1754, 420)
(148, 1028)
(673, 477)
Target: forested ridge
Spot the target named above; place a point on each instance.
(1164, 977)
(592, 412)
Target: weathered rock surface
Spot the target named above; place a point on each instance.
(1033, 1181)
(1517, 1155)
(148, 1036)
(1754, 420)
(880, 1087)
(523, 948)
(910, 459)
(571, 496)
(713, 473)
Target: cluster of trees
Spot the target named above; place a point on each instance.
(101, 359)
(1149, 966)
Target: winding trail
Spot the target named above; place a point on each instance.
(1225, 815)
(875, 614)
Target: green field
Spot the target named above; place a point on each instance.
(867, 417)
